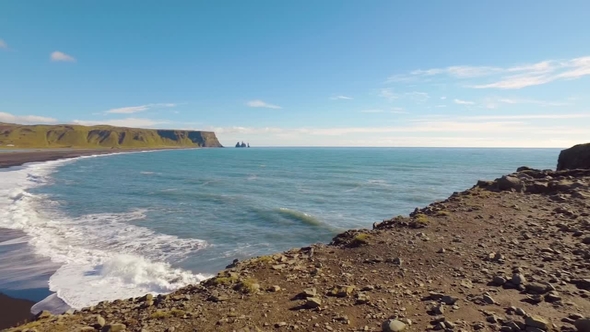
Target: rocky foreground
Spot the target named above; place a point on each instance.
(506, 255)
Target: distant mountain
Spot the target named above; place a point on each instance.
(77, 136)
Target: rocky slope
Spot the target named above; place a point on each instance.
(75, 136)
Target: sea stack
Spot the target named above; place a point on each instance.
(242, 145)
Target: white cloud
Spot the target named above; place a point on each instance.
(416, 96)
(341, 97)
(491, 130)
(440, 106)
(443, 98)
(260, 103)
(3, 44)
(128, 122)
(25, 119)
(372, 111)
(458, 71)
(398, 110)
(463, 102)
(60, 56)
(531, 101)
(496, 102)
(137, 109)
(528, 117)
(512, 77)
(128, 110)
(454, 126)
(388, 94)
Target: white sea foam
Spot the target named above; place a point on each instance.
(101, 256)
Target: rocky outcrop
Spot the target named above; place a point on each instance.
(83, 137)
(576, 157)
(534, 181)
(242, 145)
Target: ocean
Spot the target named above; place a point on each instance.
(77, 232)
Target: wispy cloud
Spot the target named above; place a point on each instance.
(532, 101)
(463, 102)
(341, 97)
(496, 102)
(458, 125)
(512, 77)
(372, 111)
(60, 56)
(137, 109)
(528, 117)
(128, 122)
(3, 44)
(388, 94)
(398, 110)
(262, 104)
(416, 96)
(25, 119)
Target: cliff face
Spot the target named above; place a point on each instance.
(75, 136)
(576, 157)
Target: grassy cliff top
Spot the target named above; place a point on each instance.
(101, 136)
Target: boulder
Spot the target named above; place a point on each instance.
(537, 321)
(576, 157)
(393, 325)
(313, 302)
(508, 182)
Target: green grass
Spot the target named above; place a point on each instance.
(93, 137)
(224, 279)
(420, 220)
(248, 285)
(360, 239)
(161, 314)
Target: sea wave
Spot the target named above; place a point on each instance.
(306, 219)
(94, 250)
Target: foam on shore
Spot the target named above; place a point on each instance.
(100, 256)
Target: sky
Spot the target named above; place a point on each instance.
(454, 73)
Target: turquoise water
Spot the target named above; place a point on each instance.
(123, 225)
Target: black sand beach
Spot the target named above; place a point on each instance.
(14, 311)
(19, 157)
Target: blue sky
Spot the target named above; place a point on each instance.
(305, 73)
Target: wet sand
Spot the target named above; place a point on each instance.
(10, 158)
(14, 311)
(17, 310)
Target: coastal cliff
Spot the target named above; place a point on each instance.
(510, 254)
(577, 156)
(85, 137)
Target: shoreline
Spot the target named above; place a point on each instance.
(475, 261)
(16, 158)
(20, 306)
(483, 259)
